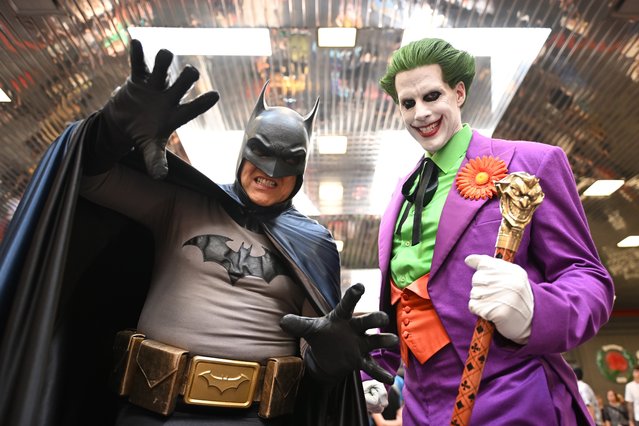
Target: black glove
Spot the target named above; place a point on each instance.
(146, 110)
(338, 342)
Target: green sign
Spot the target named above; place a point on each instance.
(615, 363)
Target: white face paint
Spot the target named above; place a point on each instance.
(430, 108)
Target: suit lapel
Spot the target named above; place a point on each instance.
(458, 212)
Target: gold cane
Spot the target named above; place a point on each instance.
(519, 196)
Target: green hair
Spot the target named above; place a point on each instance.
(457, 65)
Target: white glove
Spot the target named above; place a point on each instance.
(501, 294)
(376, 396)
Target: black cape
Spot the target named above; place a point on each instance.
(72, 274)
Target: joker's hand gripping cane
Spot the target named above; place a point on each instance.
(520, 194)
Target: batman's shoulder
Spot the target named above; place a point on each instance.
(303, 228)
(294, 217)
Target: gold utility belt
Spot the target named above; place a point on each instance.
(155, 376)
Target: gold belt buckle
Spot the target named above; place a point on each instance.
(221, 382)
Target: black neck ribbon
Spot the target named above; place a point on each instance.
(420, 196)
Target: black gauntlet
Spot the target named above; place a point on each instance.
(143, 113)
(339, 343)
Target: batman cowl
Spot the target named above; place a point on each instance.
(276, 141)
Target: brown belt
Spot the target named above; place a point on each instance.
(155, 375)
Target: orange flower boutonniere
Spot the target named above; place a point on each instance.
(477, 179)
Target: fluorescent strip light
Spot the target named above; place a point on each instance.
(630, 241)
(336, 37)
(603, 188)
(204, 41)
(4, 97)
(332, 144)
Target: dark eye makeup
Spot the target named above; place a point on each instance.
(432, 96)
(408, 104)
(428, 97)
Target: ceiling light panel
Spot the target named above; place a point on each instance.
(204, 41)
(332, 144)
(4, 97)
(630, 241)
(336, 37)
(603, 188)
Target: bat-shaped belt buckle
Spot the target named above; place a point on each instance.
(222, 382)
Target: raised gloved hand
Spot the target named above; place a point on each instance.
(339, 343)
(146, 110)
(501, 294)
(376, 396)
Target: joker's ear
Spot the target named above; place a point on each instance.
(460, 93)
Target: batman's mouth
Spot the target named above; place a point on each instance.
(266, 182)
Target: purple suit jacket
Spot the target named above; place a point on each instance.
(572, 290)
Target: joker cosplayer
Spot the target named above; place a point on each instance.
(436, 242)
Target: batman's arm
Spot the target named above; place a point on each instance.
(101, 148)
(131, 193)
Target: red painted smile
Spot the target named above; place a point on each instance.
(430, 130)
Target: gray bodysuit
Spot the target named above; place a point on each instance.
(196, 304)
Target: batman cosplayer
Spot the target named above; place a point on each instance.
(229, 274)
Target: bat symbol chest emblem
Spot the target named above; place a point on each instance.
(239, 263)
